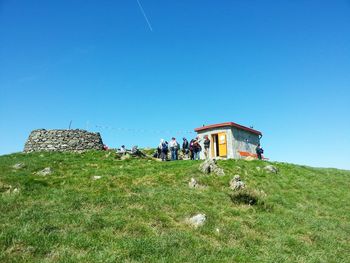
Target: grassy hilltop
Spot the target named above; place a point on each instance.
(137, 210)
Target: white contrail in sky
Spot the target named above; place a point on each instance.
(144, 15)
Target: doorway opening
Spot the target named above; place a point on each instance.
(215, 145)
(219, 145)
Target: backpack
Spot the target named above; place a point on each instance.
(164, 146)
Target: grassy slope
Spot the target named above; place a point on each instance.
(136, 212)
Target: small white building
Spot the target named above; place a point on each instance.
(229, 140)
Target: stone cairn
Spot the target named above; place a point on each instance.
(63, 141)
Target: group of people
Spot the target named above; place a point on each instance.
(191, 150)
(123, 150)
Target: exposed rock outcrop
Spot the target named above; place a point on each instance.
(197, 220)
(271, 169)
(236, 183)
(210, 166)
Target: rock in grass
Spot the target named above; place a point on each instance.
(193, 183)
(96, 177)
(205, 166)
(210, 166)
(5, 187)
(8, 189)
(125, 157)
(218, 171)
(236, 183)
(271, 169)
(197, 220)
(45, 171)
(18, 166)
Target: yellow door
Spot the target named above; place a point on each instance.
(222, 144)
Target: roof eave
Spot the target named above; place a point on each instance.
(227, 124)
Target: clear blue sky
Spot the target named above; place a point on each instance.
(281, 66)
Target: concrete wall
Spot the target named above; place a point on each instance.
(244, 141)
(209, 132)
(237, 140)
(63, 140)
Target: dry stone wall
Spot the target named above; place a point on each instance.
(63, 141)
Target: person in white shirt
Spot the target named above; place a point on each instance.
(174, 146)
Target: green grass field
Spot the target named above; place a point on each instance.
(136, 212)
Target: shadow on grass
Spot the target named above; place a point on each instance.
(251, 198)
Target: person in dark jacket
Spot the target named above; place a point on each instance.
(163, 145)
(185, 147)
(192, 149)
(259, 151)
(206, 146)
(197, 148)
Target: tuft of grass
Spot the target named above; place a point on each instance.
(245, 197)
(136, 211)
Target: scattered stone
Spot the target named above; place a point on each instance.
(193, 183)
(205, 167)
(249, 158)
(236, 183)
(5, 187)
(45, 171)
(218, 171)
(18, 166)
(197, 220)
(271, 169)
(8, 189)
(96, 177)
(210, 166)
(262, 193)
(125, 157)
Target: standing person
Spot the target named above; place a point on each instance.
(185, 147)
(159, 151)
(191, 149)
(122, 149)
(177, 150)
(259, 151)
(164, 149)
(206, 146)
(173, 148)
(197, 148)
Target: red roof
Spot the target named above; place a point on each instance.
(225, 124)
